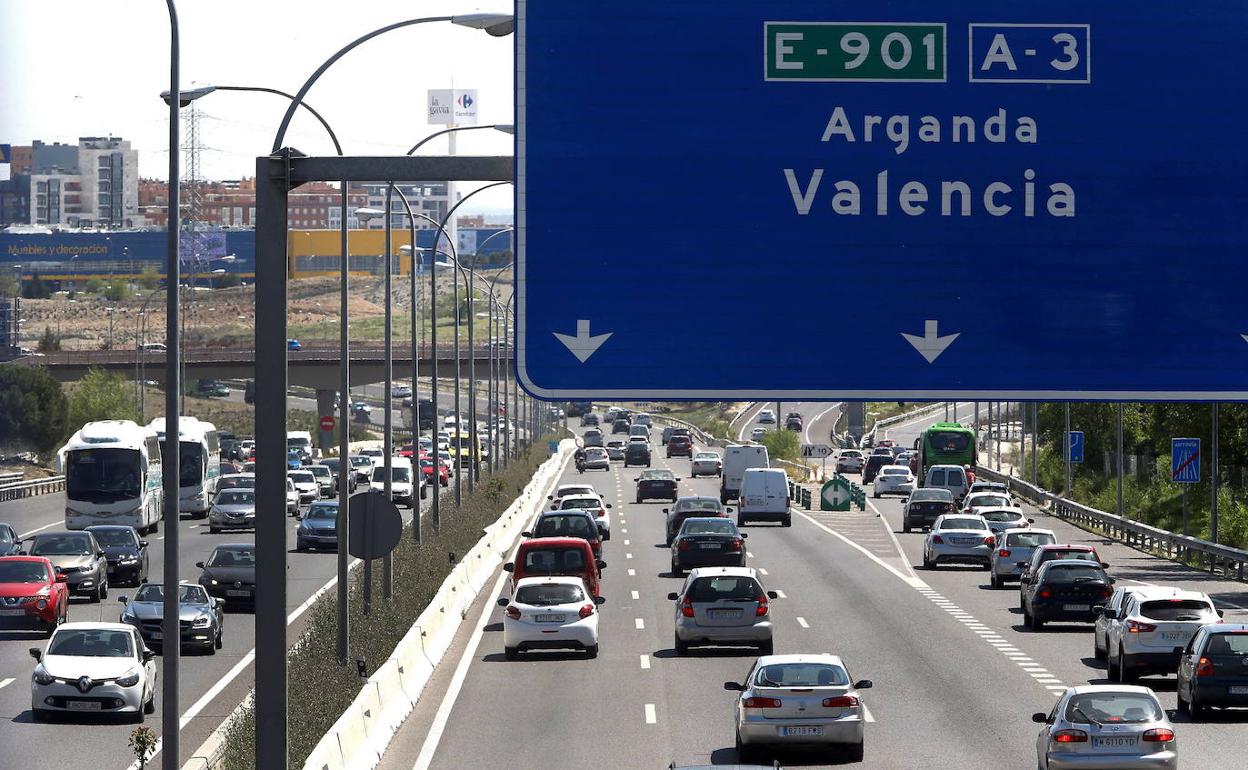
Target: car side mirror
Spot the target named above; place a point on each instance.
(1113, 580)
(600, 600)
(1098, 610)
(727, 510)
(61, 577)
(123, 599)
(142, 544)
(1031, 521)
(608, 505)
(503, 601)
(734, 687)
(99, 554)
(199, 564)
(1024, 580)
(744, 535)
(863, 684)
(1040, 718)
(601, 564)
(1104, 565)
(36, 653)
(678, 479)
(148, 656)
(526, 533)
(636, 478)
(673, 596)
(773, 595)
(550, 497)
(665, 510)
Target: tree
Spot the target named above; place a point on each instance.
(33, 410)
(49, 342)
(8, 285)
(782, 445)
(143, 743)
(94, 286)
(115, 292)
(101, 395)
(150, 279)
(36, 288)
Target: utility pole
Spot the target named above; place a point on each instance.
(1214, 481)
(1118, 463)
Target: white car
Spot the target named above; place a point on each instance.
(401, 391)
(1153, 622)
(849, 461)
(706, 464)
(976, 500)
(292, 498)
(795, 700)
(554, 612)
(757, 434)
(306, 485)
(94, 668)
(893, 480)
(958, 538)
(767, 417)
(572, 490)
(594, 505)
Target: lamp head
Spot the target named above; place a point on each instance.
(188, 96)
(494, 24)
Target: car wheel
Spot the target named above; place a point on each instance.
(766, 647)
(788, 520)
(511, 653)
(854, 752)
(591, 651)
(639, 500)
(1125, 674)
(876, 495)
(1197, 711)
(905, 528)
(214, 530)
(995, 581)
(154, 528)
(1111, 668)
(1183, 706)
(219, 642)
(682, 648)
(139, 716)
(101, 592)
(150, 706)
(676, 570)
(927, 562)
(1036, 624)
(1098, 651)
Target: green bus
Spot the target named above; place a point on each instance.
(945, 443)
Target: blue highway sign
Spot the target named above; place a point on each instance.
(1074, 445)
(1185, 460)
(989, 200)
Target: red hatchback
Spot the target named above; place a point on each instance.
(426, 467)
(32, 593)
(679, 446)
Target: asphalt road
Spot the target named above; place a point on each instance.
(956, 674)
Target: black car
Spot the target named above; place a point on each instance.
(1066, 591)
(637, 453)
(1213, 669)
(589, 420)
(872, 467)
(621, 426)
(707, 542)
(125, 552)
(924, 506)
(691, 507)
(656, 484)
(230, 573)
(9, 544)
(228, 448)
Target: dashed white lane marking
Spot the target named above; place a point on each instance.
(762, 571)
(645, 661)
(802, 622)
(624, 530)
(5, 683)
(866, 713)
(651, 717)
(628, 556)
(780, 594)
(632, 573)
(627, 542)
(636, 595)
(749, 554)
(639, 623)
(59, 523)
(160, 537)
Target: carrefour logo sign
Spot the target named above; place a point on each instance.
(452, 106)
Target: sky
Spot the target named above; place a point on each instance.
(71, 68)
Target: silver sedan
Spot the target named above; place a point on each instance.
(1106, 726)
(958, 538)
(799, 700)
(233, 509)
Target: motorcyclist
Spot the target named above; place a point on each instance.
(580, 459)
(970, 475)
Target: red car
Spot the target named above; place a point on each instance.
(407, 450)
(32, 593)
(426, 467)
(680, 445)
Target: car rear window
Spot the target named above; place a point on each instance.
(936, 477)
(549, 593)
(569, 525)
(237, 497)
(1073, 573)
(553, 559)
(1001, 515)
(657, 476)
(708, 527)
(1233, 643)
(711, 589)
(932, 495)
(1028, 539)
(985, 501)
(801, 675)
(1062, 554)
(1175, 609)
(963, 523)
(696, 504)
(583, 503)
(1113, 708)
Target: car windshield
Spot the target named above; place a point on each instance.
(103, 475)
(23, 572)
(547, 594)
(92, 643)
(554, 560)
(331, 464)
(360, 461)
(61, 545)
(246, 482)
(396, 474)
(302, 477)
(964, 522)
(1001, 515)
(801, 675)
(1073, 573)
(566, 525)
(187, 594)
(322, 511)
(237, 497)
(696, 504)
(713, 589)
(1113, 708)
(115, 538)
(707, 527)
(932, 495)
(1175, 609)
(657, 476)
(319, 471)
(988, 501)
(230, 556)
(1028, 539)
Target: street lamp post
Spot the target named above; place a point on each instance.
(365, 215)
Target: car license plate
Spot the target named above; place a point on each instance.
(1114, 741)
(548, 618)
(804, 730)
(723, 614)
(156, 635)
(12, 613)
(1173, 636)
(1078, 607)
(83, 705)
(238, 593)
(1237, 690)
(709, 546)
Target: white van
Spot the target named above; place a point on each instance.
(403, 484)
(737, 458)
(950, 477)
(302, 441)
(764, 496)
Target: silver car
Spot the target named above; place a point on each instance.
(1001, 519)
(201, 621)
(799, 700)
(1014, 546)
(1106, 726)
(79, 557)
(233, 509)
(324, 477)
(958, 538)
(706, 464)
(723, 606)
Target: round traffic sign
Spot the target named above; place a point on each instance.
(327, 422)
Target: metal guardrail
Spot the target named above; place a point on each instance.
(20, 489)
(1210, 557)
(10, 477)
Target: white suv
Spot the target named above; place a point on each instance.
(1154, 624)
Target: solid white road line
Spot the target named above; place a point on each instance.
(25, 535)
(645, 661)
(651, 717)
(806, 430)
(910, 580)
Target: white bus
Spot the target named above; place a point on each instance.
(199, 463)
(112, 476)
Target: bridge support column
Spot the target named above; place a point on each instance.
(325, 405)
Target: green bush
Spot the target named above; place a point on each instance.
(94, 286)
(782, 445)
(101, 395)
(49, 342)
(115, 292)
(321, 689)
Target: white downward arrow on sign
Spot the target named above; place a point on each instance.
(930, 345)
(583, 345)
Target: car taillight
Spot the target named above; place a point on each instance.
(990, 541)
(586, 611)
(1003, 553)
(1044, 593)
(1136, 627)
(762, 605)
(734, 544)
(685, 545)
(841, 702)
(1204, 667)
(1158, 735)
(1070, 736)
(686, 608)
(937, 540)
(761, 703)
(513, 613)
(1106, 592)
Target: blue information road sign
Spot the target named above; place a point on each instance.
(712, 195)
(1074, 445)
(1185, 460)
